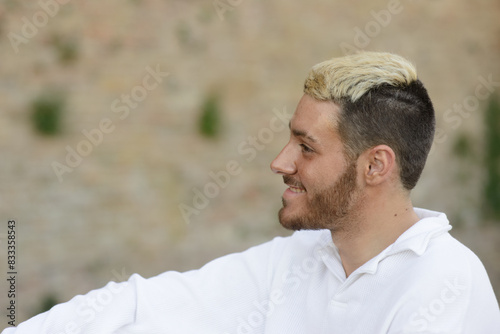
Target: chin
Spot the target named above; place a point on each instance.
(286, 221)
(297, 222)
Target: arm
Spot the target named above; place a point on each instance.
(206, 300)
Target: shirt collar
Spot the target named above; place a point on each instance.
(416, 239)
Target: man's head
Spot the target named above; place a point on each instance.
(364, 110)
(381, 101)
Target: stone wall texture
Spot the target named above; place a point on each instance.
(118, 208)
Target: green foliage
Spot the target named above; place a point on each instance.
(210, 117)
(12, 4)
(67, 48)
(46, 113)
(46, 303)
(206, 15)
(492, 159)
(462, 147)
(183, 32)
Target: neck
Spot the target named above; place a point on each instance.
(373, 230)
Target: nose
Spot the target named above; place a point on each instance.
(284, 163)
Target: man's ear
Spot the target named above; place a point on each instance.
(379, 164)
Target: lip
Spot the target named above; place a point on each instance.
(292, 191)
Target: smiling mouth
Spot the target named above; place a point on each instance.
(294, 186)
(297, 190)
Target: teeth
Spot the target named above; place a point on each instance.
(297, 190)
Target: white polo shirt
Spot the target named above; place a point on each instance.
(426, 282)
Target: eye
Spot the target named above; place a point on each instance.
(306, 149)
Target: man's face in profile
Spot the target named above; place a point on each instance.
(322, 191)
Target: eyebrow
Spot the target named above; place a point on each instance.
(301, 133)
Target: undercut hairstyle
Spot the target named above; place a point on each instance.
(381, 101)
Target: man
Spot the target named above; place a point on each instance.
(363, 259)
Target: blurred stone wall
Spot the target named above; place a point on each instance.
(118, 209)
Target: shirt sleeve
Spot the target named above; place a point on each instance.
(212, 299)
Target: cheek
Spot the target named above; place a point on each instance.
(315, 180)
(319, 177)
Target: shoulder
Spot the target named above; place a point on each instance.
(444, 269)
(430, 250)
(446, 289)
(445, 259)
(446, 255)
(279, 249)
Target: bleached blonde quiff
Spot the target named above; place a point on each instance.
(352, 76)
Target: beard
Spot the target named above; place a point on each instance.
(330, 208)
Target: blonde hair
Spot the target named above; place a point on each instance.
(381, 101)
(353, 76)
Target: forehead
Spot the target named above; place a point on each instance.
(316, 118)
